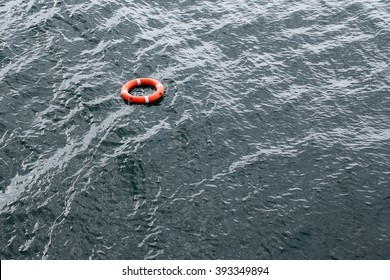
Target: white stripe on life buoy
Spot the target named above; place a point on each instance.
(146, 99)
(139, 82)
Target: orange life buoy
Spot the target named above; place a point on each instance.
(129, 86)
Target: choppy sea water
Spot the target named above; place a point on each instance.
(272, 141)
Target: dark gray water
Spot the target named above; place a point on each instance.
(272, 142)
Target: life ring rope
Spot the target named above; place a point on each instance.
(145, 99)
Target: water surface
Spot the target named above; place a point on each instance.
(272, 141)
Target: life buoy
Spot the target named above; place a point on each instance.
(145, 99)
